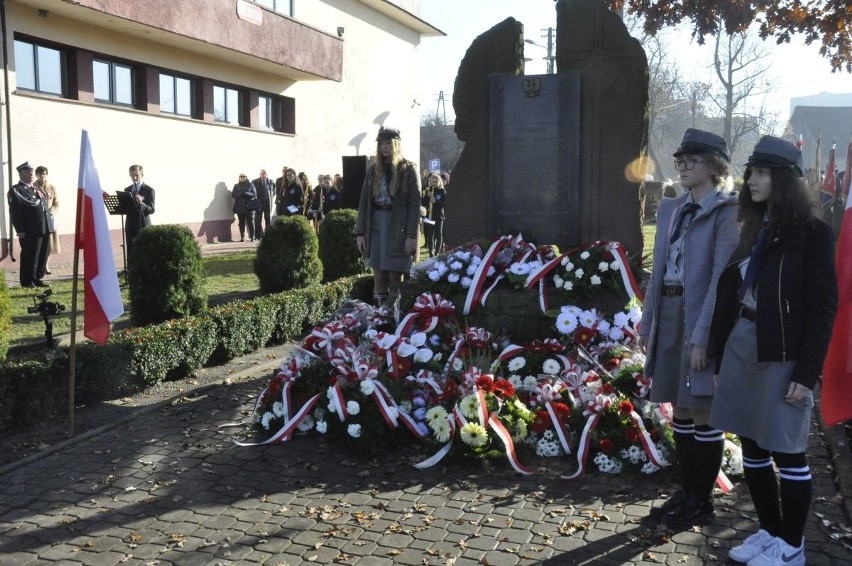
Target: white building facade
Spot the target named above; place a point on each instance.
(200, 91)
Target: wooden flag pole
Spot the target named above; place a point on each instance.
(72, 351)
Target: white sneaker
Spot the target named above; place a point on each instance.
(779, 553)
(750, 547)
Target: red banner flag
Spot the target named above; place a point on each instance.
(836, 397)
(100, 280)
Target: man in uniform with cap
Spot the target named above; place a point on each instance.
(29, 216)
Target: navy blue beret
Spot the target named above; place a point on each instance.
(699, 141)
(772, 152)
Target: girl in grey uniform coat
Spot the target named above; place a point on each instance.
(772, 323)
(696, 233)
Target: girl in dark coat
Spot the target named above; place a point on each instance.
(772, 322)
(243, 192)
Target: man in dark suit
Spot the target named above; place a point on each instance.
(143, 206)
(265, 189)
(29, 215)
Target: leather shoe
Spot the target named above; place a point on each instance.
(691, 512)
(40, 283)
(673, 502)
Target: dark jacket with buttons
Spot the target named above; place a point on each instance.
(796, 302)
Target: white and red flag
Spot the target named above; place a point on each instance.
(100, 280)
(836, 397)
(847, 176)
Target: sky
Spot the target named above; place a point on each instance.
(798, 69)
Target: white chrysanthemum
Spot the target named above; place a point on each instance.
(367, 387)
(319, 413)
(585, 255)
(491, 271)
(516, 363)
(620, 319)
(453, 277)
(278, 409)
(441, 430)
(614, 266)
(458, 364)
(418, 339)
(530, 382)
(332, 408)
(466, 282)
(558, 281)
(616, 334)
(569, 267)
(595, 280)
(370, 334)
(441, 268)
(578, 273)
(550, 367)
(306, 424)
(434, 275)
(588, 318)
(568, 286)
(267, 418)
(603, 267)
(322, 427)
(471, 270)
(649, 468)
(405, 406)
(566, 323)
(475, 260)
(469, 406)
(635, 315)
(516, 381)
(354, 430)
(436, 413)
(438, 357)
(435, 340)
(548, 435)
(353, 408)
(456, 265)
(474, 435)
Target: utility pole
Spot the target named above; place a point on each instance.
(550, 50)
(442, 106)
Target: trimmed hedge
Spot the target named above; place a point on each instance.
(133, 359)
(288, 256)
(337, 248)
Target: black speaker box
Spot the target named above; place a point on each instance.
(354, 173)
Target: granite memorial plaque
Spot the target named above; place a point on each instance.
(534, 157)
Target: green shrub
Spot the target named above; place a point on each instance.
(5, 317)
(287, 257)
(167, 277)
(337, 248)
(33, 390)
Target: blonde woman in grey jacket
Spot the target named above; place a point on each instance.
(388, 222)
(696, 233)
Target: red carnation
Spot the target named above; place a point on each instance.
(541, 422)
(631, 435)
(485, 382)
(625, 407)
(504, 388)
(606, 389)
(606, 445)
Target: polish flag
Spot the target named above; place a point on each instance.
(836, 397)
(100, 280)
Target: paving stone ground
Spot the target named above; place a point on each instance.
(169, 486)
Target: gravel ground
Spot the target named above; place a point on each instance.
(22, 443)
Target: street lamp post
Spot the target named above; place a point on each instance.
(550, 57)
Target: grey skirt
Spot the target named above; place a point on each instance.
(379, 244)
(750, 396)
(672, 380)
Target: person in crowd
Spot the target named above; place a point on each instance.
(142, 199)
(439, 203)
(696, 233)
(265, 189)
(315, 206)
(307, 192)
(389, 214)
(775, 306)
(332, 195)
(428, 224)
(47, 192)
(243, 193)
(288, 201)
(281, 182)
(29, 215)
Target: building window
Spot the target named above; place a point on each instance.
(281, 6)
(226, 105)
(113, 82)
(264, 108)
(175, 95)
(39, 68)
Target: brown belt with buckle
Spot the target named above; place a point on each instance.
(672, 290)
(747, 313)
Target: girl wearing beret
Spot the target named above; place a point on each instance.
(389, 215)
(696, 233)
(775, 306)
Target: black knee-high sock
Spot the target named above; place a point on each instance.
(796, 492)
(709, 445)
(684, 437)
(762, 485)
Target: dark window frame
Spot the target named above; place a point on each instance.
(241, 104)
(193, 93)
(113, 64)
(34, 44)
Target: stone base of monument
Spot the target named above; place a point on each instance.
(515, 313)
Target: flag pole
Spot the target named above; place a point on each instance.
(72, 351)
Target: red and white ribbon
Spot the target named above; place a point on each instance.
(427, 312)
(650, 449)
(475, 291)
(627, 278)
(546, 394)
(594, 412)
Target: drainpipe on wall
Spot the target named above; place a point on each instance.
(8, 115)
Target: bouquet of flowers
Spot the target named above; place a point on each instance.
(451, 272)
(586, 271)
